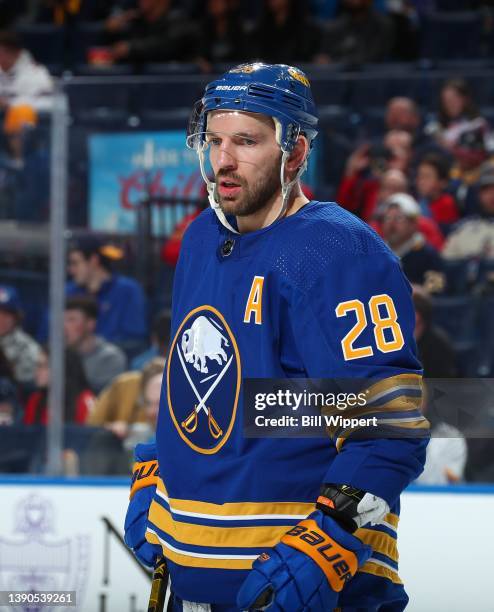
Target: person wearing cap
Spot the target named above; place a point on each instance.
(122, 314)
(473, 237)
(400, 229)
(19, 348)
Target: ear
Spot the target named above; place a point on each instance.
(298, 155)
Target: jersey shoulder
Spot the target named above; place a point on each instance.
(337, 232)
(322, 238)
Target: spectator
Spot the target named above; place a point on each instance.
(222, 35)
(151, 382)
(446, 455)
(403, 114)
(447, 450)
(19, 348)
(102, 361)
(122, 309)
(358, 189)
(421, 262)
(118, 404)
(431, 183)
(8, 392)
(22, 80)
(78, 397)
(470, 153)
(435, 350)
(462, 131)
(358, 36)
(9, 407)
(392, 181)
(151, 33)
(121, 411)
(474, 235)
(160, 339)
(25, 88)
(395, 181)
(400, 144)
(277, 35)
(457, 113)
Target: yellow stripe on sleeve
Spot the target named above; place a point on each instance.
(205, 535)
(380, 542)
(383, 572)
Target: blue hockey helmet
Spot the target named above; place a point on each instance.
(276, 90)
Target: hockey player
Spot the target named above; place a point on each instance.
(271, 285)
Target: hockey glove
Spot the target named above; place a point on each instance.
(144, 480)
(306, 571)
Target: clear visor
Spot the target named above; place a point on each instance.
(196, 126)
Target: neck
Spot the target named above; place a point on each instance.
(97, 279)
(267, 215)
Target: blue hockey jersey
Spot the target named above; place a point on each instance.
(316, 294)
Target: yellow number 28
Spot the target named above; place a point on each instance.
(383, 315)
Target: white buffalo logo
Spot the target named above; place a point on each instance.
(203, 341)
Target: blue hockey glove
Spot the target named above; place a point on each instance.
(144, 480)
(306, 571)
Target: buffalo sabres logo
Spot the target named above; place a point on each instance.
(203, 380)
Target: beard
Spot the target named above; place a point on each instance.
(253, 198)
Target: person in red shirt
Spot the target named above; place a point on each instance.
(431, 183)
(78, 398)
(358, 191)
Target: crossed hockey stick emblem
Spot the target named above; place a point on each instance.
(191, 422)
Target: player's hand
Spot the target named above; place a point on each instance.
(144, 480)
(306, 570)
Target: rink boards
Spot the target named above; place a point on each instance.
(61, 534)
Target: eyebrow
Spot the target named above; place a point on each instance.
(241, 134)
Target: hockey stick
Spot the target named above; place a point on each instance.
(158, 586)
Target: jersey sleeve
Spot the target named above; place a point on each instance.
(356, 324)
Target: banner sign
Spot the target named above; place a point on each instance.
(129, 169)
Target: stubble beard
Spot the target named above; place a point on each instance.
(253, 198)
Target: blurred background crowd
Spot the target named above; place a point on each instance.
(405, 90)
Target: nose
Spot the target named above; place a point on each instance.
(226, 158)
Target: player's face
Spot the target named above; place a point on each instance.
(246, 161)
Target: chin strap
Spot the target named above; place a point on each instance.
(286, 188)
(212, 195)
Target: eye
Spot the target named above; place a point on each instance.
(213, 142)
(248, 142)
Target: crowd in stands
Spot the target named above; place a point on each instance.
(424, 180)
(228, 31)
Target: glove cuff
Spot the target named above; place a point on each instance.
(144, 474)
(336, 562)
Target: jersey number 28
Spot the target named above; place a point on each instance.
(383, 316)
